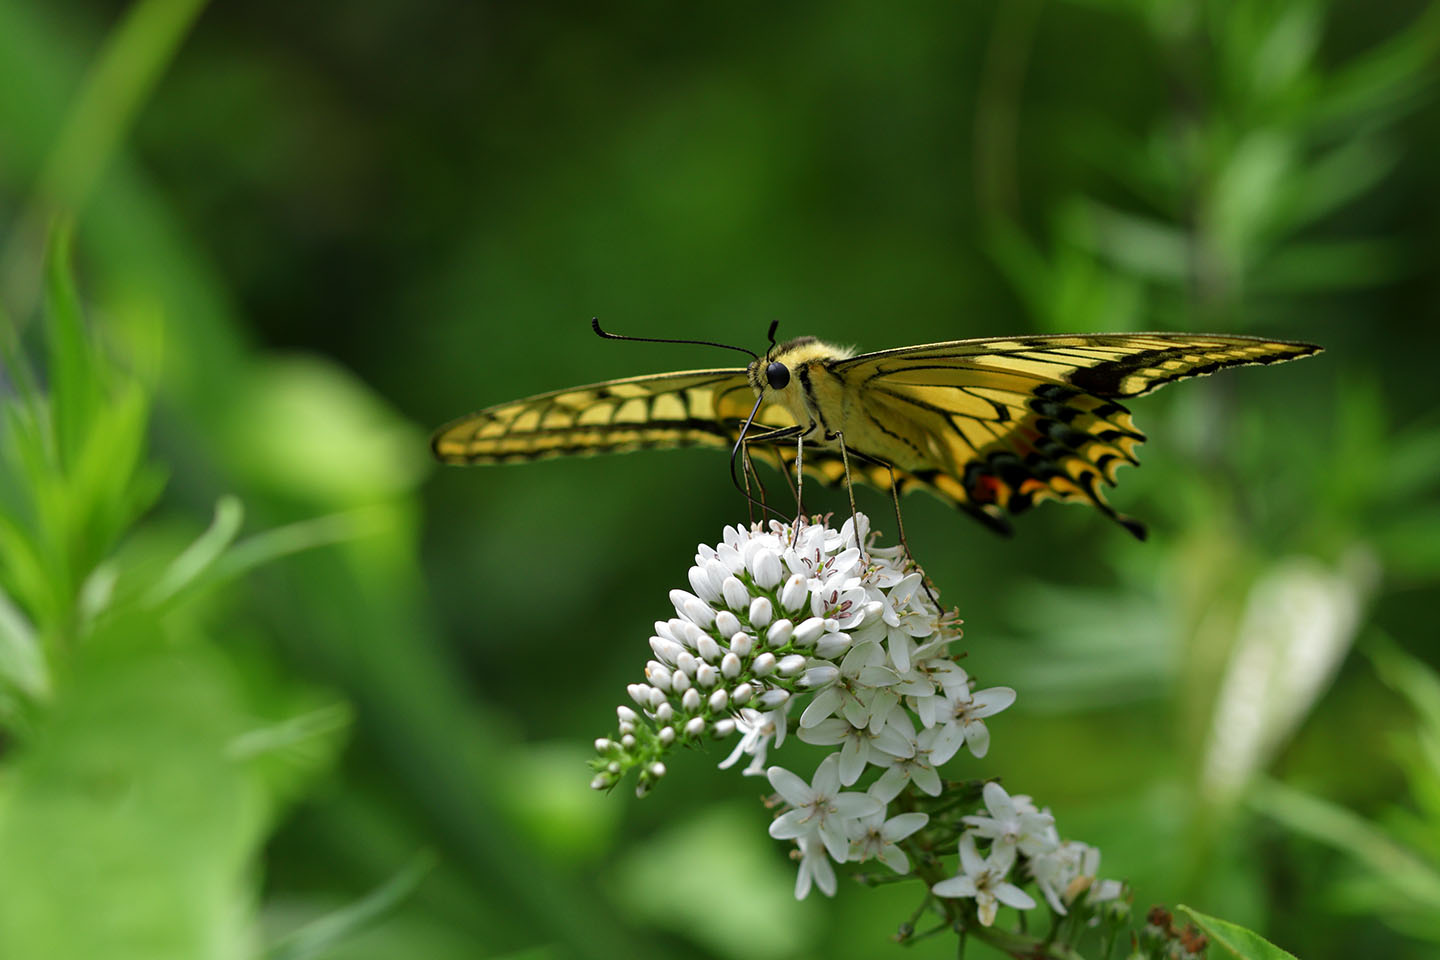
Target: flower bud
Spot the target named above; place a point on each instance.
(742, 644)
(604, 745)
(701, 583)
(761, 612)
(706, 675)
(831, 645)
(791, 665)
(730, 666)
(626, 715)
(808, 632)
(794, 595)
(736, 596)
(686, 664)
(658, 675)
(667, 650)
(628, 741)
(708, 649)
(771, 699)
(667, 736)
(664, 713)
(699, 612)
(766, 569)
(820, 675)
(742, 694)
(719, 700)
(723, 728)
(690, 702)
(695, 726)
(764, 665)
(779, 633)
(680, 681)
(727, 623)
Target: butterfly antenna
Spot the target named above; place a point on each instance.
(595, 323)
(771, 334)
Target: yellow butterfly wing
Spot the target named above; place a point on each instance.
(995, 425)
(689, 408)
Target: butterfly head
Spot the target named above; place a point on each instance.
(774, 371)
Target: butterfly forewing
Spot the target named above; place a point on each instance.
(692, 408)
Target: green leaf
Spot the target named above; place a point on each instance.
(22, 663)
(319, 937)
(125, 830)
(75, 386)
(200, 555)
(1232, 940)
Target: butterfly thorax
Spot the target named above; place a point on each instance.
(806, 387)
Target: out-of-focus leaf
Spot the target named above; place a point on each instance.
(1243, 195)
(310, 428)
(1410, 546)
(1321, 266)
(318, 938)
(1411, 677)
(1384, 81)
(22, 661)
(200, 555)
(1232, 940)
(1327, 182)
(761, 918)
(125, 830)
(75, 381)
(1413, 884)
(1145, 247)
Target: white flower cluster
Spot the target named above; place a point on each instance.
(777, 612)
(1062, 869)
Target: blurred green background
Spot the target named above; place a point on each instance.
(351, 719)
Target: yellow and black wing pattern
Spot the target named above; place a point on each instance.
(690, 408)
(996, 425)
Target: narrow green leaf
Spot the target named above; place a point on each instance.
(1232, 940)
(135, 54)
(290, 733)
(271, 545)
(317, 938)
(22, 662)
(75, 390)
(1403, 872)
(200, 555)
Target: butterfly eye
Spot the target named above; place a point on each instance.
(779, 376)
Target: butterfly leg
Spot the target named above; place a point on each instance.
(850, 492)
(799, 489)
(900, 528)
(748, 471)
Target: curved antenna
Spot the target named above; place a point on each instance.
(771, 334)
(595, 323)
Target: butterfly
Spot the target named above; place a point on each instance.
(990, 425)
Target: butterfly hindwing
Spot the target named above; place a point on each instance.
(1020, 420)
(691, 408)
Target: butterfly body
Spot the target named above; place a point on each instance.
(991, 425)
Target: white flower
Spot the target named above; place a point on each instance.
(756, 729)
(856, 744)
(819, 807)
(918, 767)
(1064, 872)
(1013, 822)
(877, 838)
(984, 879)
(815, 868)
(964, 712)
(865, 666)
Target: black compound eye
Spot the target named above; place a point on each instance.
(779, 376)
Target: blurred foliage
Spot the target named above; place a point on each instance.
(305, 233)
